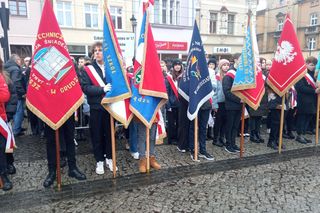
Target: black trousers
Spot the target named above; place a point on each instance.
(303, 121)
(220, 122)
(274, 125)
(173, 124)
(290, 120)
(184, 124)
(66, 135)
(3, 158)
(255, 123)
(100, 131)
(232, 125)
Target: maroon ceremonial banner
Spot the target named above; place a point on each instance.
(288, 66)
(54, 92)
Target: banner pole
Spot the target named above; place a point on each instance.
(113, 147)
(242, 130)
(58, 160)
(148, 149)
(317, 120)
(196, 139)
(281, 124)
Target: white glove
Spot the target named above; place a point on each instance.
(107, 88)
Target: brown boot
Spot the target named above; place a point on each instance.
(143, 165)
(154, 164)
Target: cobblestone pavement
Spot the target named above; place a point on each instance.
(262, 181)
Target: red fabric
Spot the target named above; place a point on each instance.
(288, 66)
(4, 97)
(173, 86)
(310, 81)
(52, 98)
(153, 79)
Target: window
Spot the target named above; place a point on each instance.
(64, 14)
(280, 25)
(177, 12)
(164, 11)
(91, 15)
(313, 19)
(312, 43)
(171, 11)
(18, 7)
(116, 16)
(156, 12)
(213, 23)
(230, 24)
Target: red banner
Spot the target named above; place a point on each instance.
(54, 92)
(171, 45)
(288, 66)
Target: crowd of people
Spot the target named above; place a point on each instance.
(219, 117)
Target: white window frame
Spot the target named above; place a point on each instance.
(156, 12)
(116, 15)
(231, 23)
(64, 24)
(16, 6)
(313, 19)
(280, 24)
(214, 20)
(311, 43)
(92, 14)
(178, 12)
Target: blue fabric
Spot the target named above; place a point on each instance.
(133, 137)
(18, 117)
(141, 131)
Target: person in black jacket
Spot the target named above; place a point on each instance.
(306, 100)
(233, 111)
(99, 117)
(13, 68)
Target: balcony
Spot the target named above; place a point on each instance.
(277, 34)
(311, 30)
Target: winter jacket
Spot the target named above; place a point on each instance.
(94, 93)
(16, 76)
(4, 97)
(232, 102)
(218, 96)
(306, 96)
(173, 101)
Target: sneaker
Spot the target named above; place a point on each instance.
(230, 150)
(109, 165)
(206, 156)
(181, 150)
(127, 146)
(192, 157)
(268, 131)
(99, 168)
(246, 135)
(236, 148)
(135, 155)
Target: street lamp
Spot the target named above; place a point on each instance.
(134, 24)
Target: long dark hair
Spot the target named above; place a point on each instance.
(4, 73)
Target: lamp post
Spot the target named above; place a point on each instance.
(134, 24)
(4, 18)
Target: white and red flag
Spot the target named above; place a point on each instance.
(288, 66)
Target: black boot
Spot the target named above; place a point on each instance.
(7, 185)
(291, 135)
(253, 137)
(301, 139)
(75, 173)
(11, 169)
(217, 142)
(272, 145)
(49, 179)
(261, 140)
(63, 161)
(209, 133)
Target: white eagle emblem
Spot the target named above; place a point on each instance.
(285, 53)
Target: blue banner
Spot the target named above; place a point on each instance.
(195, 84)
(246, 75)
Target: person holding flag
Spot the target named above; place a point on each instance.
(196, 88)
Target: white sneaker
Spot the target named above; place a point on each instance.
(99, 168)
(135, 155)
(109, 164)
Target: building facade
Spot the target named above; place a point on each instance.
(304, 15)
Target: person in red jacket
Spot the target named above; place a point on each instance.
(4, 97)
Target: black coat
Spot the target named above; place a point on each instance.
(11, 105)
(94, 93)
(306, 97)
(16, 77)
(232, 102)
(173, 101)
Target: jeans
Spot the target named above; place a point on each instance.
(141, 132)
(203, 117)
(18, 117)
(133, 137)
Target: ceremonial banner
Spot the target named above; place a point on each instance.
(248, 83)
(195, 85)
(148, 89)
(318, 69)
(288, 66)
(54, 92)
(114, 101)
(6, 132)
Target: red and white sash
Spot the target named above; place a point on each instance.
(173, 85)
(94, 76)
(231, 73)
(6, 131)
(161, 129)
(310, 81)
